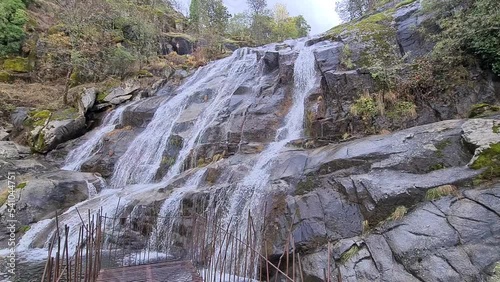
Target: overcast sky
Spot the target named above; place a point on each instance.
(320, 14)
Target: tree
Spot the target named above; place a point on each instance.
(349, 10)
(303, 28)
(280, 12)
(12, 19)
(285, 27)
(257, 6)
(194, 14)
(239, 26)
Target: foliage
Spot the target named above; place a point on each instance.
(17, 64)
(468, 27)
(120, 61)
(264, 26)
(12, 19)
(489, 160)
(349, 10)
(364, 107)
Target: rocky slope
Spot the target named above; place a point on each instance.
(419, 201)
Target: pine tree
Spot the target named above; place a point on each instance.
(194, 14)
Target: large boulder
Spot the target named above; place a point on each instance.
(42, 196)
(44, 138)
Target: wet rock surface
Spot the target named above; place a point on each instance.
(405, 205)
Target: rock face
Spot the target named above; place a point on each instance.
(44, 195)
(45, 138)
(417, 200)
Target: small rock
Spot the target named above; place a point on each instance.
(87, 99)
(121, 99)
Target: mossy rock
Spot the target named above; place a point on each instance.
(144, 73)
(5, 76)
(180, 35)
(17, 64)
(101, 96)
(37, 117)
(488, 159)
(68, 113)
(305, 186)
(483, 109)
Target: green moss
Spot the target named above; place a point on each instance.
(73, 79)
(55, 29)
(403, 3)
(346, 256)
(496, 128)
(181, 35)
(39, 144)
(25, 228)
(68, 113)
(441, 191)
(201, 162)
(38, 117)
(17, 64)
(489, 159)
(176, 141)
(496, 273)
(3, 197)
(305, 186)
(144, 73)
(346, 57)
(5, 76)
(440, 146)
(436, 167)
(483, 109)
(168, 161)
(101, 96)
(403, 110)
(21, 185)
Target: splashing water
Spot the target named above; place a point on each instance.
(240, 69)
(250, 194)
(170, 210)
(77, 157)
(143, 157)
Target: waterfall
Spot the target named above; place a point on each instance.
(241, 68)
(143, 157)
(78, 156)
(170, 210)
(251, 192)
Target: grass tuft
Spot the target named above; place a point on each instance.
(349, 254)
(441, 191)
(398, 213)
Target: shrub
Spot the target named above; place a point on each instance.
(12, 19)
(469, 27)
(120, 61)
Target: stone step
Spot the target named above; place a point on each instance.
(179, 271)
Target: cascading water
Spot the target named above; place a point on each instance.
(76, 158)
(170, 210)
(141, 161)
(241, 68)
(143, 157)
(248, 196)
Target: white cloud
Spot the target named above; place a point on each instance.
(320, 14)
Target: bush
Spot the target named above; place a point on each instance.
(12, 19)
(121, 61)
(468, 28)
